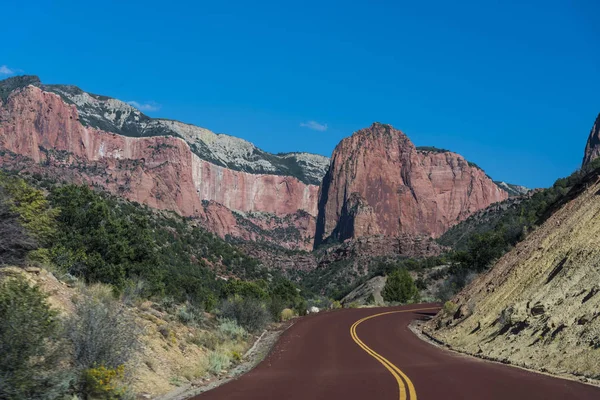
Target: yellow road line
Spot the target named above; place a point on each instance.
(395, 371)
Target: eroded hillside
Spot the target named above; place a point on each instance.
(540, 304)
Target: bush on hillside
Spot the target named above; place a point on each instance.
(218, 361)
(30, 351)
(190, 314)
(34, 210)
(400, 287)
(105, 383)
(101, 333)
(287, 314)
(370, 300)
(249, 313)
(15, 242)
(231, 329)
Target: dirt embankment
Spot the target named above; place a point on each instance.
(539, 307)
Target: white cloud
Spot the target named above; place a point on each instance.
(149, 106)
(314, 125)
(4, 70)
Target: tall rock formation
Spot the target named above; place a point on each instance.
(232, 186)
(592, 148)
(379, 183)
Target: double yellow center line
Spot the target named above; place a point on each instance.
(404, 382)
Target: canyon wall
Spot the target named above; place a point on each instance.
(158, 171)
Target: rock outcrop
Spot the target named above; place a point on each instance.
(160, 171)
(379, 183)
(539, 306)
(592, 148)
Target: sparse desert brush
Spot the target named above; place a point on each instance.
(102, 382)
(206, 339)
(236, 356)
(98, 291)
(196, 371)
(231, 329)
(248, 312)
(218, 361)
(287, 314)
(190, 315)
(370, 299)
(450, 308)
(354, 304)
(102, 332)
(167, 333)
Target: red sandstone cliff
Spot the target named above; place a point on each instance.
(379, 183)
(592, 148)
(158, 171)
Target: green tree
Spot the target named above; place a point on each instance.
(29, 345)
(34, 211)
(400, 287)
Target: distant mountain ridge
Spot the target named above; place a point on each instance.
(116, 116)
(377, 183)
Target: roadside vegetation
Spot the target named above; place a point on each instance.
(400, 287)
(129, 269)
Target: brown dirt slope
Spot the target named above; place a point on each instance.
(539, 306)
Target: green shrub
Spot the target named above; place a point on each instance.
(287, 314)
(30, 351)
(336, 305)
(370, 299)
(189, 314)
(275, 306)
(354, 304)
(105, 383)
(217, 362)
(236, 356)
(301, 307)
(15, 241)
(249, 313)
(231, 329)
(450, 308)
(34, 210)
(400, 287)
(256, 290)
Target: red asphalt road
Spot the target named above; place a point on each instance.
(318, 359)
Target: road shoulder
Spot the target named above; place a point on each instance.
(417, 328)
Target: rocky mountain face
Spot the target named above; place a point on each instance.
(513, 190)
(592, 148)
(379, 183)
(115, 116)
(76, 136)
(539, 306)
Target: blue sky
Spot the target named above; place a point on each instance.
(512, 86)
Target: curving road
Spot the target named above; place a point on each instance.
(371, 354)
